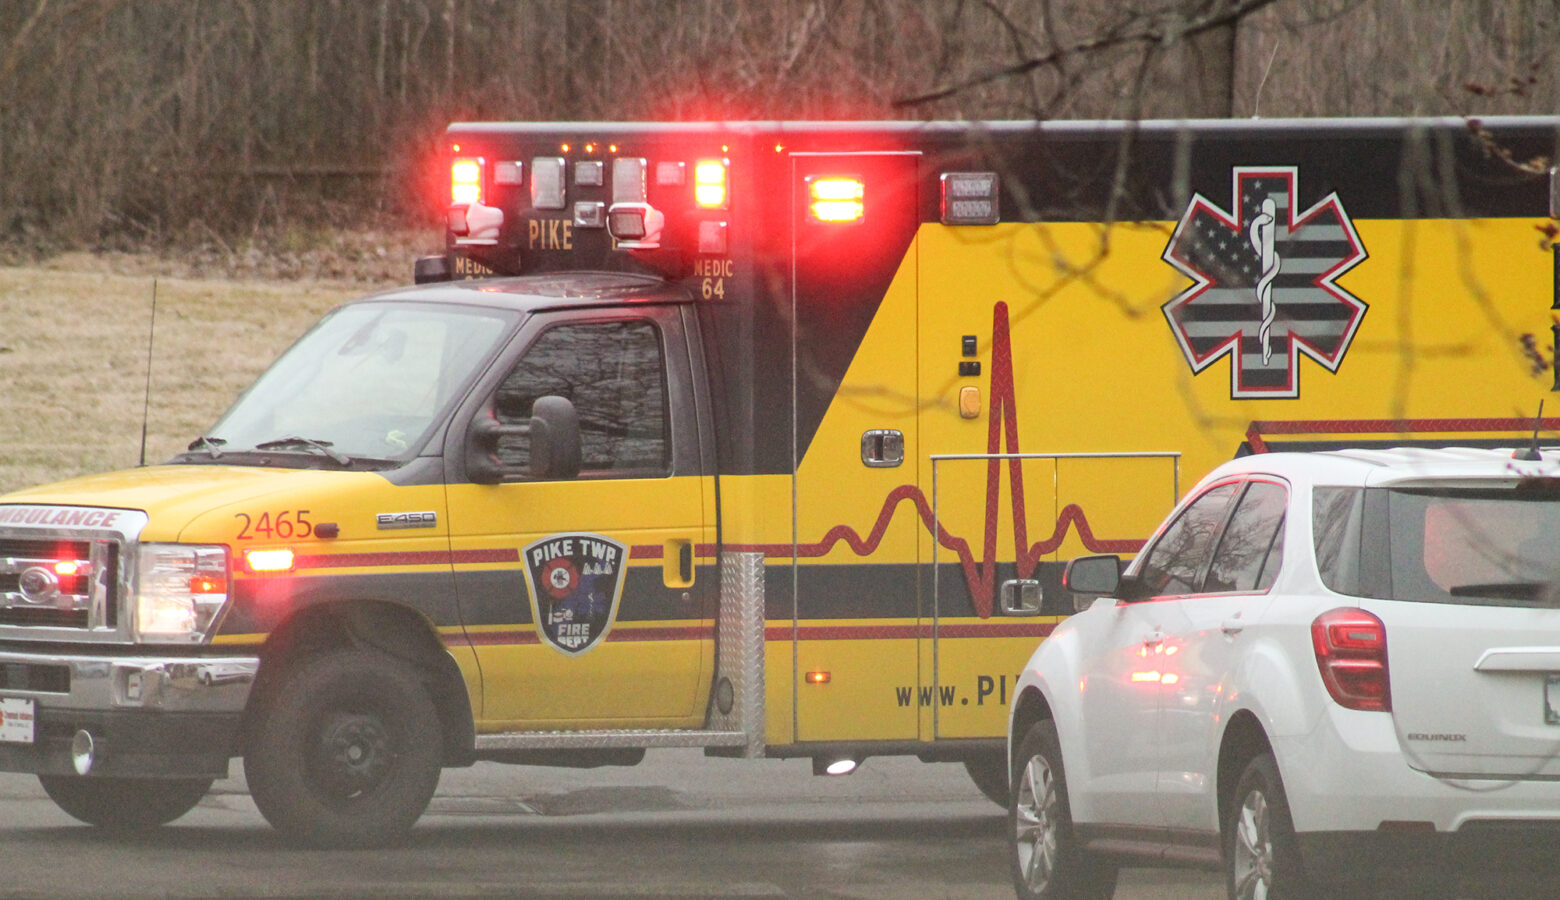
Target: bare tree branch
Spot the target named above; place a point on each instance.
(1150, 33)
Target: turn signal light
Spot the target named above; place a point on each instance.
(268, 560)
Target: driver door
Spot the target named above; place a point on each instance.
(583, 597)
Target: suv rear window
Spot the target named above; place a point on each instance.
(1474, 545)
(1494, 546)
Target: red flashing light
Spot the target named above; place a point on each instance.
(1351, 654)
(466, 180)
(836, 199)
(208, 584)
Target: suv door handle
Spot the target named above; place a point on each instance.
(1153, 639)
(1232, 626)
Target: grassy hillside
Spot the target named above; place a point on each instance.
(73, 356)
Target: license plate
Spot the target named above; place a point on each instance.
(16, 720)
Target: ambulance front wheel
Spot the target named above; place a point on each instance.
(124, 803)
(345, 751)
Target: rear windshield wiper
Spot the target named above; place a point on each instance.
(293, 442)
(1506, 590)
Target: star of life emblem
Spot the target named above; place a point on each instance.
(575, 582)
(1264, 288)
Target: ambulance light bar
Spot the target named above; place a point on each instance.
(633, 223)
(835, 199)
(969, 198)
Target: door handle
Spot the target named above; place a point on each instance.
(1153, 639)
(1232, 626)
(677, 563)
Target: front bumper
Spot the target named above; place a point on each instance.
(146, 716)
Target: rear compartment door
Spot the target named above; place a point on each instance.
(857, 613)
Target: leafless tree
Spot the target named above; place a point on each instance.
(159, 119)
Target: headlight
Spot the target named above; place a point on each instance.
(181, 590)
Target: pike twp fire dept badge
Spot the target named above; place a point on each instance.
(1264, 285)
(576, 581)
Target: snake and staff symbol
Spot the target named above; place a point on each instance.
(1261, 234)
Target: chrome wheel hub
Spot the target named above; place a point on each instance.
(1253, 857)
(1036, 824)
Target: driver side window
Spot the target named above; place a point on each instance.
(1174, 564)
(615, 375)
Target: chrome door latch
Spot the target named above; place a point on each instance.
(882, 448)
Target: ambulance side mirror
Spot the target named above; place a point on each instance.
(555, 438)
(554, 446)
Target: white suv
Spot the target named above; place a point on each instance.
(1325, 672)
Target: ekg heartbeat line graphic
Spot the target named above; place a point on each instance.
(980, 577)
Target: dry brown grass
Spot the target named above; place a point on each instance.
(73, 348)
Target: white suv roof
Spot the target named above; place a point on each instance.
(1398, 466)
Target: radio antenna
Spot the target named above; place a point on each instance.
(146, 403)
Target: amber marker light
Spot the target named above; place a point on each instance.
(466, 181)
(709, 183)
(268, 560)
(817, 677)
(836, 199)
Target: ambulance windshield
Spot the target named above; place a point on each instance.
(368, 383)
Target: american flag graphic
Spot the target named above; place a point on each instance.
(1263, 283)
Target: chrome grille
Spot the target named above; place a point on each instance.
(48, 582)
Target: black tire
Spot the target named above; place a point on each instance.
(125, 803)
(1261, 854)
(990, 775)
(345, 751)
(1047, 860)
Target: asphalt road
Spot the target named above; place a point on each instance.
(678, 825)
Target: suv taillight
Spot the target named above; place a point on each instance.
(1351, 653)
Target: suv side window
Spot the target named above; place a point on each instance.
(1336, 517)
(1175, 563)
(1252, 546)
(615, 375)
